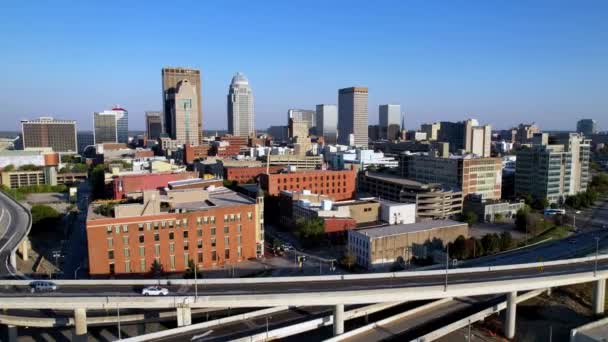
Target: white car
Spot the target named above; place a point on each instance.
(154, 291)
(288, 247)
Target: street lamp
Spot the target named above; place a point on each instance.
(195, 283)
(597, 252)
(76, 271)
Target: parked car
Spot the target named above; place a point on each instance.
(42, 286)
(154, 291)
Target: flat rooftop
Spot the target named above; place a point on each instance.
(399, 229)
(218, 197)
(387, 177)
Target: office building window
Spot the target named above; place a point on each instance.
(141, 239)
(156, 237)
(199, 232)
(142, 251)
(239, 228)
(213, 256)
(227, 253)
(128, 266)
(127, 253)
(110, 255)
(199, 243)
(186, 260)
(212, 231)
(110, 242)
(142, 265)
(157, 249)
(172, 262)
(171, 236)
(125, 240)
(200, 257)
(171, 247)
(185, 234)
(186, 245)
(226, 230)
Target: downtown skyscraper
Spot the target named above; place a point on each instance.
(111, 126)
(389, 116)
(172, 78)
(327, 122)
(240, 107)
(352, 116)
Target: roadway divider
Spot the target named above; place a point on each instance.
(64, 321)
(402, 274)
(479, 316)
(205, 325)
(388, 320)
(315, 323)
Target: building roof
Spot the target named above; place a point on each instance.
(239, 79)
(218, 197)
(398, 229)
(400, 180)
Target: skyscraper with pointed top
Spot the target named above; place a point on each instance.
(240, 107)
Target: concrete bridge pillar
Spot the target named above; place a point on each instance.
(184, 316)
(510, 315)
(24, 249)
(11, 333)
(13, 260)
(338, 319)
(80, 324)
(599, 296)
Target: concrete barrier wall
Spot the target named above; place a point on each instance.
(481, 315)
(385, 321)
(204, 325)
(575, 335)
(404, 274)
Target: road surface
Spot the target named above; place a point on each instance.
(14, 225)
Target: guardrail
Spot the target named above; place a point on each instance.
(389, 275)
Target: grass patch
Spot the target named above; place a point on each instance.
(555, 233)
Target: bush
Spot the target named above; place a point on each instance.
(9, 167)
(44, 218)
(310, 232)
(469, 217)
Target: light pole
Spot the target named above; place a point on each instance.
(76, 271)
(597, 252)
(267, 326)
(195, 283)
(118, 315)
(447, 265)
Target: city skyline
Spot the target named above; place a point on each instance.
(464, 66)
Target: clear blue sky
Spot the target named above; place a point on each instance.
(500, 61)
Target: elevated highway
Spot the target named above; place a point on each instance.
(15, 224)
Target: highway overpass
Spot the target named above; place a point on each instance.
(336, 291)
(15, 224)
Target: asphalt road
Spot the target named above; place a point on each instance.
(14, 223)
(314, 286)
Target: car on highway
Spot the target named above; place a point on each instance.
(154, 291)
(288, 247)
(42, 286)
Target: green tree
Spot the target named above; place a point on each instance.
(9, 167)
(156, 269)
(458, 248)
(44, 218)
(521, 218)
(310, 231)
(469, 217)
(348, 260)
(29, 167)
(189, 274)
(79, 168)
(506, 241)
(98, 181)
(491, 243)
(540, 203)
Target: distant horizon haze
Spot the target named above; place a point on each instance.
(503, 63)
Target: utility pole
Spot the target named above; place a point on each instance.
(597, 252)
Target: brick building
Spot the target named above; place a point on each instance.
(338, 185)
(128, 184)
(195, 152)
(246, 174)
(212, 227)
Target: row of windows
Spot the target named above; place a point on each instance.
(185, 246)
(185, 234)
(143, 267)
(177, 224)
(311, 178)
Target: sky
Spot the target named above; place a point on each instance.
(500, 61)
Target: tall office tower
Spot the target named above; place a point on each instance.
(60, 135)
(85, 138)
(304, 115)
(171, 78)
(466, 136)
(352, 115)
(154, 125)
(431, 130)
(327, 122)
(544, 172)
(586, 126)
(580, 148)
(111, 126)
(299, 128)
(481, 140)
(240, 107)
(525, 132)
(184, 114)
(389, 117)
